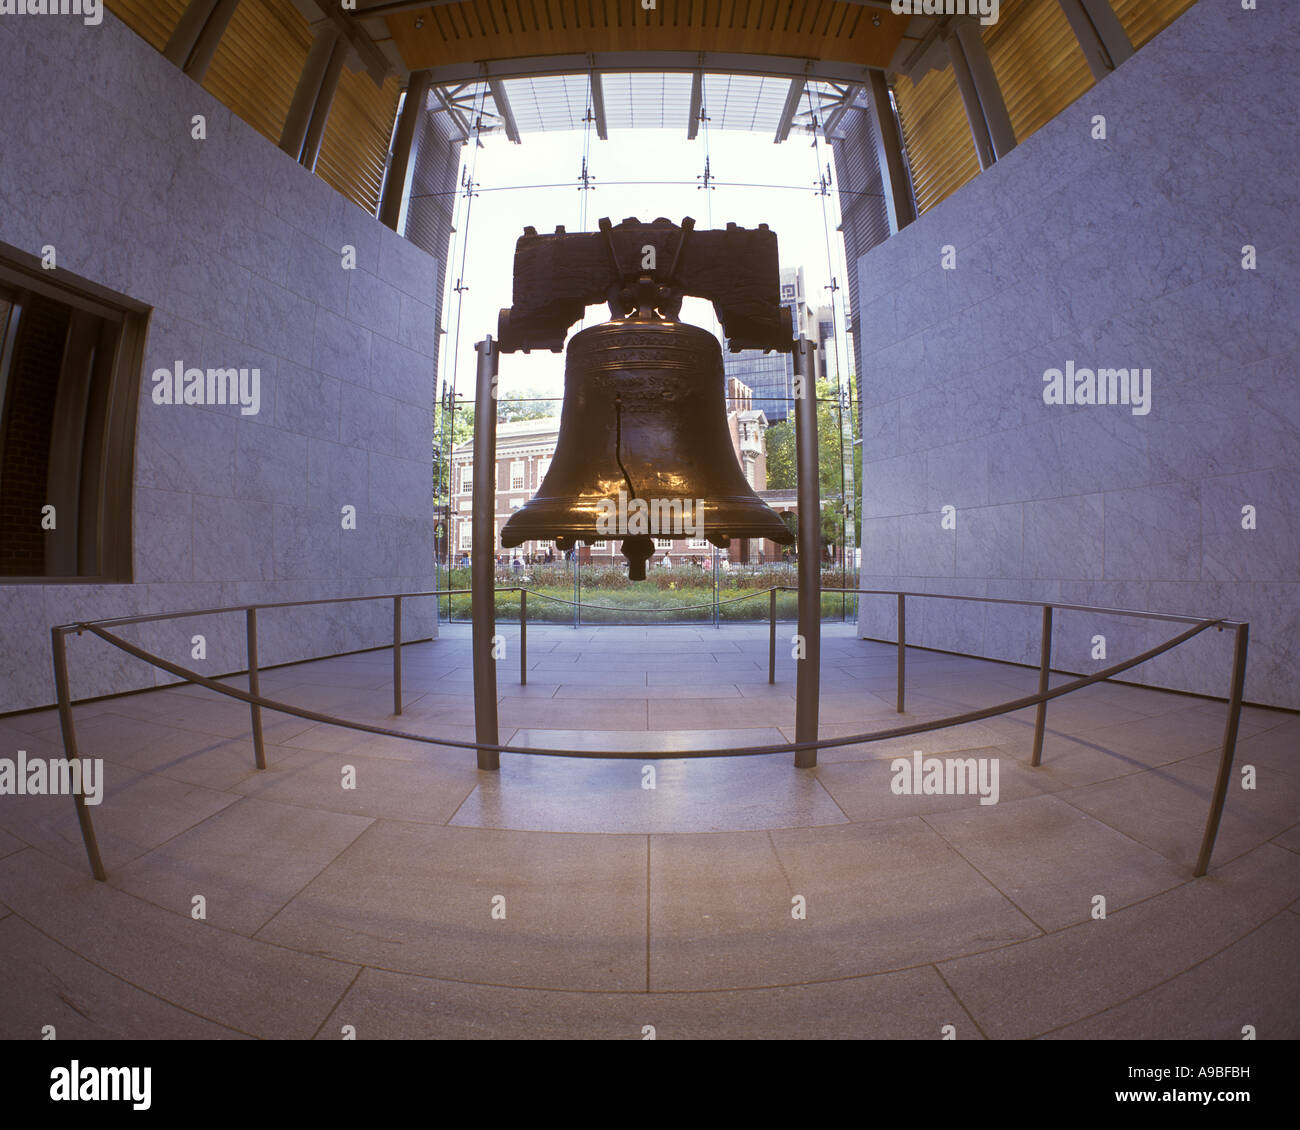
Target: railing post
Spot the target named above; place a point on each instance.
(483, 574)
(58, 645)
(254, 686)
(1044, 679)
(523, 637)
(397, 653)
(715, 586)
(577, 590)
(902, 648)
(771, 636)
(1229, 749)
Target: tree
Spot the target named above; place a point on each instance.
(782, 470)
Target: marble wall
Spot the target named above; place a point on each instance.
(1123, 252)
(239, 251)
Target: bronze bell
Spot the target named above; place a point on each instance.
(643, 449)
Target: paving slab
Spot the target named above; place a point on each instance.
(697, 795)
(865, 789)
(1254, 981)
(47, 984)
(1043, 984)
(617, 710)
(419, 899)
(1166, 809)
(722, 914)
(257, 989)
(1051, 860)
(138, 812)
(420, 790)
(911, 1005)
(972, 735)
(247, 861)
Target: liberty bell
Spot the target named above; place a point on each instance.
(644, 450)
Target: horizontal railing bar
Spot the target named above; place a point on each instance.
(1035, 604)
(154, 617)
(657, 755)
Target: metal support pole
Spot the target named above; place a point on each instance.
(970, 99)
(58, 645)
(771, 637)
(1044, 679)
(390, 207)
(324, 100)
(890, 155)
(992, 104)
(397, 653)
(188, 29)
(523, 637)
(902, 648)
(577, 591)
(1229, 749)
(210, 39)
(307, 92)
(808, 669)
(254, 686)
(1101, 36)
(483, 572)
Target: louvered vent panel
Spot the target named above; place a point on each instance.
(936, 135)
(152, 20)
(436, 161)
(354, 151)
(256, 68)
(1144, 19)
(1039, 64)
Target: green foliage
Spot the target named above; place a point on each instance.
(782, 470)
(682, 594)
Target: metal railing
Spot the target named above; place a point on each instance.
(805, 750)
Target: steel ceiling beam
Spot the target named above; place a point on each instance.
(788, 111)
(598, 106)
(697, 101)
(834, 118)
(507, 116)
(452, 113)
(373, 59)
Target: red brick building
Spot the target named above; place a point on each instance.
(524, 452)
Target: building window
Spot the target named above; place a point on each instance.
(543, 465)
(698, 543)
(663, 543)
(70, 361)
(466, 536)
(466, 479)
(599, 545)
(517, 475)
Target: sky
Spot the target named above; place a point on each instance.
(499, 213)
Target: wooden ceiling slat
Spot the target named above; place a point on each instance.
(1144, 19)
(801, 28)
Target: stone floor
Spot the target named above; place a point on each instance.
(620, 907)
